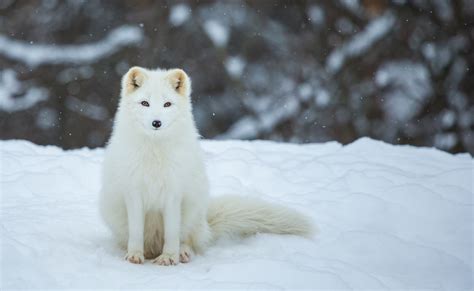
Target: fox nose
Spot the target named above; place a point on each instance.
(156, 123)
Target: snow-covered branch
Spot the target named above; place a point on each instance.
(11, 97)
(38, 54)
(361, 42)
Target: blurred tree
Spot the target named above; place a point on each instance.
(299, 71)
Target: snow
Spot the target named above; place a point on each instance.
(444, 10)
(11, 99)
(441, 54)
(316, 15)
(46, 118)
(445, 140)
(217, 32)
(179, 14)
(87, 109)
(448, 118)
(246, 127)
(235, 66)
(408, 87)
(361, 42)
(249, 127)
(305, 91)
(389, 217)
(73, 74)
(352, 5)
(345, 26)
(38, 54)
(322, 98)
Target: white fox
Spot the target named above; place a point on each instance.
(155, 192)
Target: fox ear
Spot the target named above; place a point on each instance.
(180, 82)
(133, 79)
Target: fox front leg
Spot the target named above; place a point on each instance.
(136, 221)
(172, 224)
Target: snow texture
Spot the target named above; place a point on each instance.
(390, 217)
(33, 54)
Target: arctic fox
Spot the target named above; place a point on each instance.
(155, 192)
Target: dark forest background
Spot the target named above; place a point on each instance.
(296, 71)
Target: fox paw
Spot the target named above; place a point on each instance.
(166, 259)
(185, 253)
(135, 257)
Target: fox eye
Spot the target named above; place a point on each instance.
(167, 104)
(145, 103)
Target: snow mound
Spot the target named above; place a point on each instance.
(389, 217)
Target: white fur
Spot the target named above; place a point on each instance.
(155, 192)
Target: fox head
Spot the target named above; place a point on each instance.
(156, 100)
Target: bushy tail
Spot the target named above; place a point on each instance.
(242, 216)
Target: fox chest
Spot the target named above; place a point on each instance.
(156, 181)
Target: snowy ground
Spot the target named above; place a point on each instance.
(389, 217)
